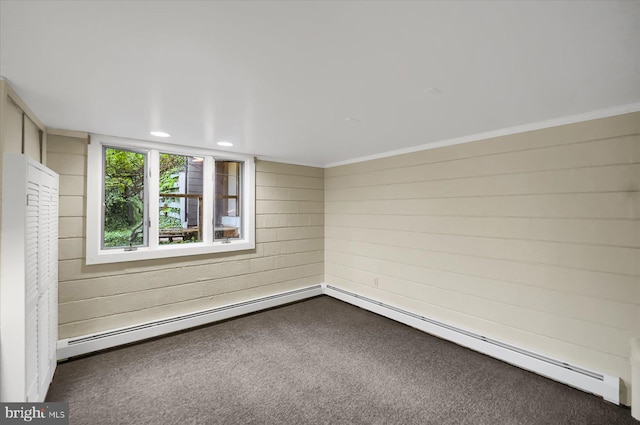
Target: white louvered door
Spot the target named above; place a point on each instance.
(32, 288)
(28, 279)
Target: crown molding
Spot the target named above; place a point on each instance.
(555, 122)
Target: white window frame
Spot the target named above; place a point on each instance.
(96, 254)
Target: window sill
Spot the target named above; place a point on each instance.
(117, 255)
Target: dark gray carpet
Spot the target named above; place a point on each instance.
(317, 361)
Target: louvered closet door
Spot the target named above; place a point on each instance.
(32, 289)
(29, 275)
(46, 253)
(48, 280)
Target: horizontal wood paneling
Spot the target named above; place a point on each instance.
(289, 253)
(533, 238)
(616, 365)
(613, 205)
(126, 318)
(600, 130)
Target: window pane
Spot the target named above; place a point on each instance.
(228, 213)
(124, 203)
(180, 203)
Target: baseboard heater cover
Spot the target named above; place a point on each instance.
(601, 384)
(72, 347)
(604, 385)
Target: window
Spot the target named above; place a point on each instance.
(147, 200)
(124, 210)
(180, 218)
(227, 200)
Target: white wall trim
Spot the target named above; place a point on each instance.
(71, 347)
(97, 254)
(604, 385)
(555, 122)
(288, 161)
(68, 133)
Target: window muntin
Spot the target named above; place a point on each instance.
(124, 200)
(240, 204)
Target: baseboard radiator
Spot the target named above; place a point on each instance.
(606, 386)
(72, 347)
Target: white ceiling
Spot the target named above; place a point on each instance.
(280, 79)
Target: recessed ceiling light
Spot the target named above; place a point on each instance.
(351, 119)
(160, 134)
(224, 143)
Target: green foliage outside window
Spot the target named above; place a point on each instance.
(123, 198)
(124, 180)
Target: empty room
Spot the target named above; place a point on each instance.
(305, 212)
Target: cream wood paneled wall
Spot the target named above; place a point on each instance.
(533, 239)
(289, 253)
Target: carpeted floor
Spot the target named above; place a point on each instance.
(317, 361)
